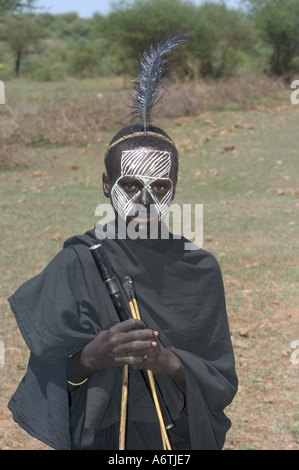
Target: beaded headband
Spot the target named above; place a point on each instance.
(138, 134)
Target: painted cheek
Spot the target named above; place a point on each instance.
(121, 202)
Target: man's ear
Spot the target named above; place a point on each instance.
(173, 192)
(106, 184)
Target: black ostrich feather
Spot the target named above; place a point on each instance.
(152, 65)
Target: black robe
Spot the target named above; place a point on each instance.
(180, 294)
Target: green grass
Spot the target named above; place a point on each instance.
(250, 196)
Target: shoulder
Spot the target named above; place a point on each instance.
(195, 254)
(71, 259)
(75, 248)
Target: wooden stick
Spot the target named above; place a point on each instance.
(124, 400)
(108, 278)
(123, 409)
(166, 444)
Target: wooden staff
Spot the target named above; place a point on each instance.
(123, 408)
(130, 292)
(109, 280)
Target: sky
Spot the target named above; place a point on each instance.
(86, 8)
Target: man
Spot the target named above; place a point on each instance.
(70, 396)
(141, 186)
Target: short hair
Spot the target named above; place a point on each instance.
(144, 140)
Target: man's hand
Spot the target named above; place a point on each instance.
(128, 342)
(162, 361)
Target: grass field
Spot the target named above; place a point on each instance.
(242, 165)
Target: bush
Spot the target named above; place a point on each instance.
(221, 36)
(5, 72)
(85, 58)
(47, 67)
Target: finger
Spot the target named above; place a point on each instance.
(134, 342)
(111, 324)
(140, 335)
(136, 348)
(136, 361)
(130, 325)
(131, 360)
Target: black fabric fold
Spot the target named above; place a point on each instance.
(180, 293)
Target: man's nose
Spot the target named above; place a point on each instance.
(145, 198)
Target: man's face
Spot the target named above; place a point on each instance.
(143, 187)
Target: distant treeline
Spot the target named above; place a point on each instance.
(261, 36)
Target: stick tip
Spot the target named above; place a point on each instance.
(128, 286)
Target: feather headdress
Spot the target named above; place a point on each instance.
(152, 65)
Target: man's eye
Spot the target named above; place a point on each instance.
(129, 185)
(160, 187)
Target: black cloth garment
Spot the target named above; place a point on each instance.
(180, 294)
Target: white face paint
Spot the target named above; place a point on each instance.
(147, 166)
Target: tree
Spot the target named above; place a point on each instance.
(228, 35)
(278, 23)
(23, 36)
(132, 26)
(16, 5)
(85, 58)
(221, 35)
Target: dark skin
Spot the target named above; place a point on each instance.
(129, 342)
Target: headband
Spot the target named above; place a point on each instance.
(138, 134)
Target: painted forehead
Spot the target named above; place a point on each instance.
(146, 162)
